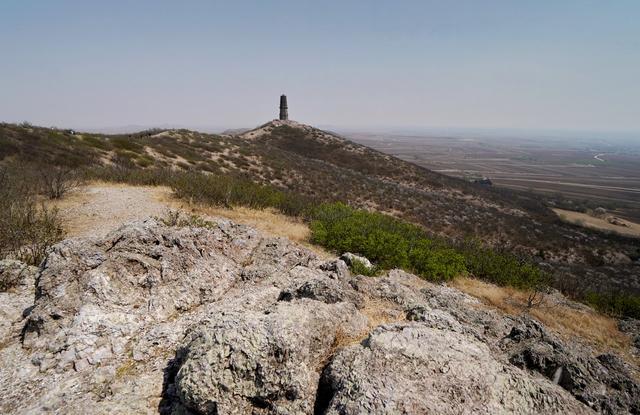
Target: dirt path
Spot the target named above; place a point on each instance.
(97, 209)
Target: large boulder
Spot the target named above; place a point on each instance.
(413, 368)
(93, 295)
(353, 259)
(266, 362)
(603, 382)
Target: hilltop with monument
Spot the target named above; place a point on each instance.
(284, 109)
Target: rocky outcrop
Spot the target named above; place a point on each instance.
(218, 320)
(262, 361)
(17, 282)
(632, 328)
(108, 290)
(420, 368)
(603, 382)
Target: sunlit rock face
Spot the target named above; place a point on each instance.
(223, 319)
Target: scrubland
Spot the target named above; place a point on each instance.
(347, 196)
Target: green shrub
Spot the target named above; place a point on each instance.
(440, 263)
(393, 243)
(615, 304)
(358, 267)
(387, 241)
(502, 268)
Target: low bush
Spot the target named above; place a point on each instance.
(56, 181)
(97, 142)
(387, 241)
(501, 268)
(177, 219)
(126, 144)
(358, 267)
(135, 176)
(615, 304)
(229, 191)
(391, 243)
(441, 263)
(27, 229)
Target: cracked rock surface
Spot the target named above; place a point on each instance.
(225, 320)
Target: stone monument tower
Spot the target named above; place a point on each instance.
(284, 113)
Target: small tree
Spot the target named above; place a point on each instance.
(535, 297)
(57, 181)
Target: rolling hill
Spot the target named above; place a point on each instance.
(326, 167)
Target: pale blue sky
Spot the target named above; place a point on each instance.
(514, 64)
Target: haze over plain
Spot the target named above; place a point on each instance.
(499, 64)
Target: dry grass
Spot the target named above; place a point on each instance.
(126, 369)
(267, 220)
(378, 312)
(569, 319)
(588, 221)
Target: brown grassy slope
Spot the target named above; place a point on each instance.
(328, 167)
(325, 166)
(569, 319)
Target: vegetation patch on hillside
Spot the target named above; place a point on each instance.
(616, 304)
(393, 243)
(291, 169)
(27, 228)
(388, 241)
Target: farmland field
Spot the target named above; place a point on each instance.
(623, 227)
(604, 172)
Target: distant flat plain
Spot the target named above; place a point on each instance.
(600, 170)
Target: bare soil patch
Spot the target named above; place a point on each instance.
(99, 208)
(583, 219)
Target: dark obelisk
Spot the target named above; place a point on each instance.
(284, 113)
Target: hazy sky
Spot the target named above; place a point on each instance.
(516, 64)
